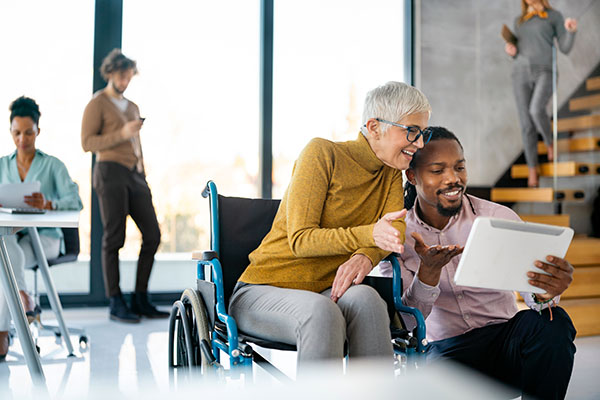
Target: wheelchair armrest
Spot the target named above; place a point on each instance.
(419, 330)
(204, 255)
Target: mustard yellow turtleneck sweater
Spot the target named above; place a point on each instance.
(337, 193)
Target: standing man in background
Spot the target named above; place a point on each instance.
(111, 128)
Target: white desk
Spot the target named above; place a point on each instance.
(9, 225)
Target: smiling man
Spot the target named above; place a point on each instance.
(531, 350)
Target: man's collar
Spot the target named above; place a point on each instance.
(451, 221)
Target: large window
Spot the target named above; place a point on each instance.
(327, 55)
(46, 52)
(198, 88)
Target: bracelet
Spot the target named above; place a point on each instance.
(541, 302)
(544, 302)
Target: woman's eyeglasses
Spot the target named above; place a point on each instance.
(413, 133)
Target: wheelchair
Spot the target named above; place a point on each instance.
(201, 331)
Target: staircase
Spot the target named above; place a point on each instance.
(578, 171)
(582, 299)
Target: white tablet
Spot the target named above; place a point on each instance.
(500, 252)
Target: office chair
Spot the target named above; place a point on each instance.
(71, 238)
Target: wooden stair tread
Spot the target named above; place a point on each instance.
(567, 168)
(585, 102)
(578, 123)
(586, 283)
(593, 83)
(585, 314)
(589, 143)
(550, 219)
(584, 251)
(535, 195)
(504, 195)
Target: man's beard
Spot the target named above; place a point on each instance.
(448, 211)
(116, 89)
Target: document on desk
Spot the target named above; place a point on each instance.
(12, 195)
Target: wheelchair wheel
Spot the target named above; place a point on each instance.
(188, 326)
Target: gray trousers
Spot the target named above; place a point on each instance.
(533, 89)
(315, 324)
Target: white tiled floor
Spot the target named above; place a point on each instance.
(130, 361)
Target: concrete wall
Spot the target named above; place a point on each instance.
(461, 66)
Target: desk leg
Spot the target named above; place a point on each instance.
(18, 315)
(50, 289)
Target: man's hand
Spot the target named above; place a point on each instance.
(510, 49)
(433, 259)
(561, 276)
(351, 272)
(571, 25)
(131, 128)
(37, 200)
(387, 237)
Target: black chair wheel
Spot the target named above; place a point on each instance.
(83, 343)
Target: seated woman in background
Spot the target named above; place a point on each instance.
(341, 214)
(58, 192)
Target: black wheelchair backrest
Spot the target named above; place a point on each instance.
(243, 223)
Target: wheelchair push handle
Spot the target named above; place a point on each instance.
(205, 191)
(210, 190)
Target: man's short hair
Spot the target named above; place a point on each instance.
(393, 101)
(437, 133)
(116, 61)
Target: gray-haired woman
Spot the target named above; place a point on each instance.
(341, 214)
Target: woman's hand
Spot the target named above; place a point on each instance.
(131, 128)
(561, 276)
(510, 49)
(433, 259)
(571, 25)
(37, 200)
(387, 237)
(351, 272)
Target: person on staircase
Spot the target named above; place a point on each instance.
(535, 30)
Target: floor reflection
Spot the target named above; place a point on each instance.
(130, 361)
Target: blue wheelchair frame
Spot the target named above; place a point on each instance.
(240, 358)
